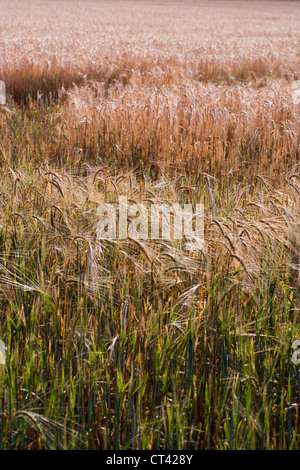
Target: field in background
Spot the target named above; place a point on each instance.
(143, 345)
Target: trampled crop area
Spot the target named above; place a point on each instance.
(141, 343)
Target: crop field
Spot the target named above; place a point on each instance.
(141, 343)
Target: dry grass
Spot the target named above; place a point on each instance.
(142, 344)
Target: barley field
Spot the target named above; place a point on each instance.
(143, 344)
